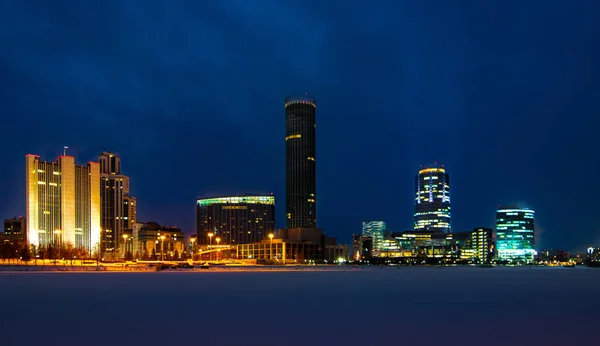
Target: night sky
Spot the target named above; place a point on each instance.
(190, 94)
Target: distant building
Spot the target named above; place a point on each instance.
(15, 226)
(130, 211)
(432, 200)
(593, 254)
(481, 244)
(62, 202)
(549, 255)
(235, 219)
(300, 162)
(153, 241)
(118, 210)
(426, 244)
(296, 245)
(367, 247)
(357, 246)
(375, 230)
(15, 231)
(515, 233)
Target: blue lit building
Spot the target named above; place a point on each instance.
(515, 234)
(432, 200)
(375, 230)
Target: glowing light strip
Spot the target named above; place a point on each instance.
(432, 170)
(293, 136)
(515, 211)
(237, 200)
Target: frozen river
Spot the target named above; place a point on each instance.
(392, 306)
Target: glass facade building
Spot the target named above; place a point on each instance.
(376, 231)
(300, 162)
(235, 219)
(118, 209)
(62, 202)
(432, 200)
(515, 233)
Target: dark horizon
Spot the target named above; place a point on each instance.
(191, 96)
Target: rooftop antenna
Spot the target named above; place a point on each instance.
(65, 150)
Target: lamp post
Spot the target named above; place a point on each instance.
(271, 235)
(125, 246)
(218, 241)
(162, 247)
(210, 235)
(192, 241)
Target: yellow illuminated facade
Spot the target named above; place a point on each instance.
(62, 202)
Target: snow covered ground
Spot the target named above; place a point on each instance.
(393, 306)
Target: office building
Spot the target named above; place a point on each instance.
(376, 231)
(300, 162)
(14, 232)
(295, 245)
(432, 200)
(515, 234)
(118, 208)
(235, 219)
(15, 226)
(62, 202)
(130, 211)
(480, 245)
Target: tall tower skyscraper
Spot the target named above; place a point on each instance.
(62, 202)
(515, 233)
(118, 210)
(300, 162)
(432, 200)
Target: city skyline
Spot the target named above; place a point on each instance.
(510, 112)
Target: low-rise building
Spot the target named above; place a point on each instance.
(14, 232)
(297, 245)
(153, 241)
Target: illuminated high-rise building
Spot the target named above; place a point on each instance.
(300, 162)
(432, 200)
(118, 211)
(376, 231)
(235, 219)
(515, 233)
(62, 202)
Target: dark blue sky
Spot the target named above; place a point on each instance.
(190, 94)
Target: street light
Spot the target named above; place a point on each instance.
(192, 241)
(218, 240)
(162, 247)
(124, 245)
(210, 235)
(271, 235)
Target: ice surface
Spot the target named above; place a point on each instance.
(391, 306)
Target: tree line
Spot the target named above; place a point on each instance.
(25, 252)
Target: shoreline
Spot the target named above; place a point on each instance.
(242, 268)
